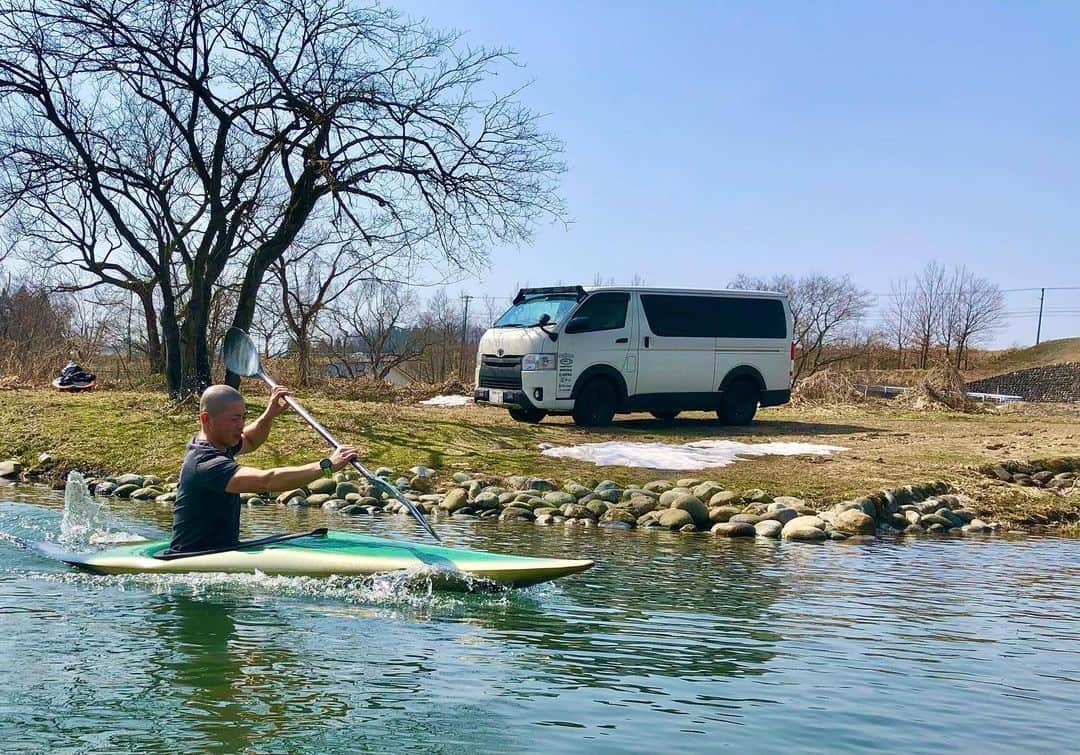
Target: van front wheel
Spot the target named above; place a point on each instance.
(738, 403)
(529, 414)
(595, 405)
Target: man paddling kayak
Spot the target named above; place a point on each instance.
(206, 514)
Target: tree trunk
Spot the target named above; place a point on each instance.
(153, 337)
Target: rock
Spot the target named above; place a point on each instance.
(965, 515)
(515, 514)
(334, 504)
(145, 494)
(722, 513)
(734, 529)
(318, 499)
(296, 502)
(768, 528)
(607, 485)
(838, 535)
(914, 529)
(897, 521)
(538, 483)
(576, 490)
(460, 477)
(675, 519)
(697, 510)
(323, 485)
(854, 522)
(756, 509)
(383, 472)
(166, 497)
(936, 527)
(688, 528)
(256, 501)
(125, 491)
(295, 493)
(486, 502)
(619, 515)
(725, 498)
(803, 532)
(954, 520)
(912, 516)
(641, 506)
(456, 498)
(756, 495)
(616, 525)
(610, 495)
(670, 496)
(781, 515)
(929, 520)
(688, 482)
(785, 502)
(1002, 473)
(750, 519)
(597, 507)
(577, 511)
(424, 484)
(707, 490)
(130, 479)
(977, 526)
(658, 486)
(545, 519)
(103, 488)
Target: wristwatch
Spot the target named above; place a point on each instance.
(327, 467)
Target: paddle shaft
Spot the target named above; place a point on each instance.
(377, 481)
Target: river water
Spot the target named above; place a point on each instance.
(672, 643)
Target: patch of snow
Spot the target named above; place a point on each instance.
(697, 455)
(448, 401)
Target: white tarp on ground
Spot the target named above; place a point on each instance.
(697, 455)
(448, 401)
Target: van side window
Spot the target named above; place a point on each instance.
(605, 311)
(714, 316)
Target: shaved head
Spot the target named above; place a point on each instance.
(217, 398)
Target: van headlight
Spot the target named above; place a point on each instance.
(532, 362)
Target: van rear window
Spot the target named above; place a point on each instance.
(714, 316)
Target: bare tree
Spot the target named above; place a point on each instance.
(199, 137)
(440, 323)
(374, 321)
(898, 315)
(928, 304)
(824, 309)
(977, 309)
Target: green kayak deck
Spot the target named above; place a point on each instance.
(341, 553)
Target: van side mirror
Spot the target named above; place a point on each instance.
(578, 324)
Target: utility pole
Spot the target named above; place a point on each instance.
(1038, 329)
(464, 335)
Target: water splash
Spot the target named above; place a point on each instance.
(85, 521)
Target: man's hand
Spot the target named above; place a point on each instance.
(277, 401)
(342, 456)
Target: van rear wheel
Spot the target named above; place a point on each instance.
(529, 414)
(595, 404)
(738, 403)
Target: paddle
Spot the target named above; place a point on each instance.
(242, 358)
(318, 532)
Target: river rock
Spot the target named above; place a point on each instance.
(800, 528)
(781, 515)
(733, 529)
(725, 498)
(706, 490)
(837, 535)
(936, 527)
(688, 528)
(256, 501)
(619, 515)
(688, 482)
(125, 491)
(296, 502)
(130, 479)
(515, 514)
(577, 511)
(954, 520)
(576, 489)
(750, 519)
(768, 528)
(597, 507)
(539, 483)
(323, 485)
(670, 496)
(897, 521)
(785, 502)
(675, 519)
(929, 520)
(460, 477)
(104, 488)
(854, 522)
(318, 499)
(697, 510)
(334, 504)
(977, 526)
(10, 469)
(545, 520)
(455, 499)
(486, 501)
(641, 506)
(659, 486)
(756, 495)
(610, 495)
(145, 494)
(723, 513)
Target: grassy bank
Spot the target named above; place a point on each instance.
(112, 431)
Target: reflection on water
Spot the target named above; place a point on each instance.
(672, 643)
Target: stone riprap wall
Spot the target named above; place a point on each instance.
(686, 505)
(1053, 474)
(1056, 382)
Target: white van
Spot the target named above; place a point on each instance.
(592, 352)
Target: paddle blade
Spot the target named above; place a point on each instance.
(241, 356)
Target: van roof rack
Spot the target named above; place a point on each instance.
(522, 294)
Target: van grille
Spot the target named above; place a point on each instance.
(500, 372)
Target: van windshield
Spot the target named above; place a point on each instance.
(528, 312)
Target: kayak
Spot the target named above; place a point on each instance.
(335, 552)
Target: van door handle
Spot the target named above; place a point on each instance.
(622, 340)
(646, 342)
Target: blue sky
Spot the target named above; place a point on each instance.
(867, 138)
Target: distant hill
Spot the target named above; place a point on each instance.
(1049, 352)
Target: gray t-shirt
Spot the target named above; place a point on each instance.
(205, 517)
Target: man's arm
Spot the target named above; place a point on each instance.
(255, 433)
(253, 480)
